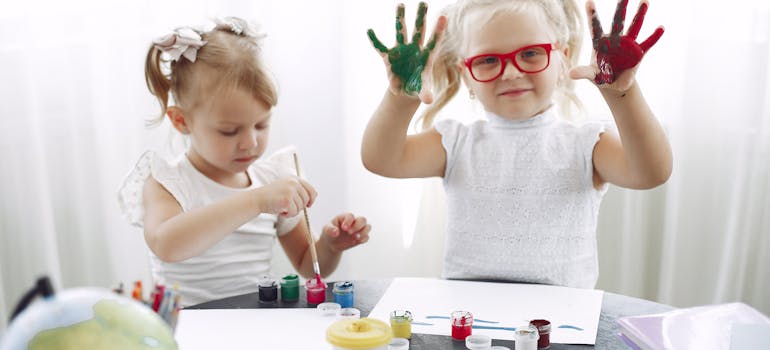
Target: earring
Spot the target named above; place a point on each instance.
(471, 94)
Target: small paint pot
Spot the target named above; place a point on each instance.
(478, 342)
(399, 344)
(343, 293)
(462, 323)
(401, 323)
(328, 309)
(290, 288)
(544, 331)
(525, 338)
(359, 334)
(348, 312)
(268, 289)
(316, 291)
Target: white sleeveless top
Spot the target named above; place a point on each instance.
(232, 266)
(521, 200)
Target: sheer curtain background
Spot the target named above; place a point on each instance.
(74, 103)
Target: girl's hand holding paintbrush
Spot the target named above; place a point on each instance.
(343, 232)
(286, 197)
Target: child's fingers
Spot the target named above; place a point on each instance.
(381, 49)
(618, 22)
(331, 230)
(400, 24)
(291, 209)
(347, 223)
(647, 44)
(426, 95)
(364, 237)
(582, 72)
(358, 224)
(636, 23)
(438, 33)
(309, 192)
(596, 25)
(339, 220)
(419, 24)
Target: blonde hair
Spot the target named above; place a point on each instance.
(233, 58)
(562, 16)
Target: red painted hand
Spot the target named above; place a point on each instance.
(615, 52)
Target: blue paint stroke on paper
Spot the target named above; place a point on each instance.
(513, 329)
(570, 327)
(564, 326)
(474, 320)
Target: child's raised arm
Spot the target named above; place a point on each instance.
(640, 157)
(386, 149)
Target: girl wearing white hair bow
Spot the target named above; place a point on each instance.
(212, 215)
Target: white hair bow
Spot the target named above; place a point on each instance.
(183, 42)
(239, 27)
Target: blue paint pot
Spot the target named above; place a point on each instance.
(343, 293)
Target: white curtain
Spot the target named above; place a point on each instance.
(73, 104)
(704, 236)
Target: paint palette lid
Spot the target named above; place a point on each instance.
(497, 347)
(329, 309)
(349, 312)
(478, 341)
(361, 333)
(399, 344)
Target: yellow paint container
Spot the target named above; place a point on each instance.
(359, 334)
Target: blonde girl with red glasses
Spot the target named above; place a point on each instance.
(523, 185)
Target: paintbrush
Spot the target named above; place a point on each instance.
(310, 238)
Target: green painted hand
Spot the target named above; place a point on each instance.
(409, 64)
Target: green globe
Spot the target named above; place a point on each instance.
(87, 318)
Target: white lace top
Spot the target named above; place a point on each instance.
(233, 265)
(521, 201)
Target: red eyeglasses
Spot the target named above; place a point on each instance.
(528, 59)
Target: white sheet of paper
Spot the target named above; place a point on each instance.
(291, 329)
(511, 305)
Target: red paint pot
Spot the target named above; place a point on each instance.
(316, 291)
(544, 330)
(462, 324)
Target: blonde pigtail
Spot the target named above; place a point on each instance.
(157, 82)
(568, 100)
(446, 80)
